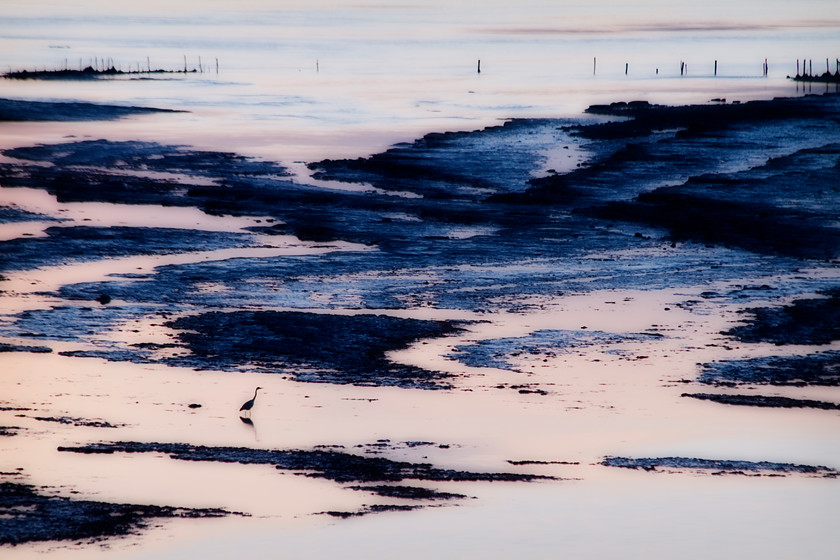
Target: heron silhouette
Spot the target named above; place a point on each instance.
(246, 408)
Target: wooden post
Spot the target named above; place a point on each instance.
(479, 66)
(594, 64)
(626, 68)
(317, 66)
(810, 67)
(217, 66)
(200, 67)
(185, 64)
(827, 70)
(715, 67)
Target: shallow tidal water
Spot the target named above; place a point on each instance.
(561, 360)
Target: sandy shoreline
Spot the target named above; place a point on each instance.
(667, 301)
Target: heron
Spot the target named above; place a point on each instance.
(246, 408)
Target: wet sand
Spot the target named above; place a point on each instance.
(462, 336)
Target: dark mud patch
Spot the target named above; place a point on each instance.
(408, 492)
(426, 167)
(77, 422)
(368, 473)
(31, 111)
(821, 369)
(332, 465)
(375, 508)
(539, 462)
(719, 467)
(783, 207)
(759, 227)
(643, 118)
(30, 515)
(810, 321)
(539, 345)
(9, 431)
(12, 215)
(344, 349)
(4, 347)
(456, 222)
(763, 401)
(63, 245)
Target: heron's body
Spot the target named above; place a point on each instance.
(246, 408)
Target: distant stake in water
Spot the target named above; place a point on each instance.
(715, 67)
(479, 66)
(626, 68)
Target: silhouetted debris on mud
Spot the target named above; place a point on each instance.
(332, 465)
(9, 431)
(13, 110)
(316, 347)
(763, 401)
(719, 467)
(29, 515)
(805, 321)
